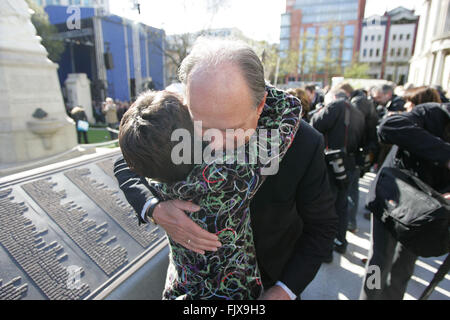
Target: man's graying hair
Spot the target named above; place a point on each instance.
(208, 52)
(385, 88)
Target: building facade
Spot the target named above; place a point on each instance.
(120, 57)
(431, 61)
(178, 47)
(387, 44)
(101, 4)
(324, 35)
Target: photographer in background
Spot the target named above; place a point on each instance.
(342, 126)
(423, 140)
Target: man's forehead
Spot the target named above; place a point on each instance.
(224, 93)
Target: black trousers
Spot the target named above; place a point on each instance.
(82, 134)
(394, 262)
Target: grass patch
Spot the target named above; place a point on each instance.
(97, 136)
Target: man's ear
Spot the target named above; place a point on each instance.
(261, 105)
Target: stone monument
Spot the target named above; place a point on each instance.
(79, 93)
(33, 122)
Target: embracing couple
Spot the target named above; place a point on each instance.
(234, 231)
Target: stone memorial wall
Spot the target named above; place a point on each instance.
(68, 233)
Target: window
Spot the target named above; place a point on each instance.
(379, 37)
(364, 52)
(401, 37)
(285, 32)
(366, 38)
(310, 43)
(372, 38)
(349, 30)
(371, 52)
(406, 52)
(347, 55)
(348, 43)
(392, 52)
(378, 53)
(399, 52)
(323, 32)
(408, 36)
(394, 37)
(284, 45)
(286, 20)
(311, 32)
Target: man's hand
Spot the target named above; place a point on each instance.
(181, 229)
(275, 293)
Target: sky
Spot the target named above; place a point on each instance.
(257, 19)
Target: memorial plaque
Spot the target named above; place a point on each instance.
(69, 232)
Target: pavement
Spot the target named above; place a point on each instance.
(342, 279)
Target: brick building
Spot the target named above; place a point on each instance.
(324, 35)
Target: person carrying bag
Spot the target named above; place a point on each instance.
(408, 198)
(412, 211)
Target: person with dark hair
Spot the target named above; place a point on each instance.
(386, 101)
(314, 97)
(441, 92)
(370, 147)
(145, 140)
(343, 128)
(303, 97)
(422, 139)
(292, 215)
(145, 136)
(420, 95)
(78, 114)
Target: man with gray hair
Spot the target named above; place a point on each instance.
(386, 101)
(292, 215)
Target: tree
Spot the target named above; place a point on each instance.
(176, 48)
(46, 31)
(357, 70)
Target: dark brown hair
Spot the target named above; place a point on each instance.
(421, 95)
(346, 87)
(302, 96)
(145, 136)
(310, 88)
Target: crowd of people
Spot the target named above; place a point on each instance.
(109, 112)
(412, 119)
(110, 107)
(232, 236)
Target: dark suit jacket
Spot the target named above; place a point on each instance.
(293, 217)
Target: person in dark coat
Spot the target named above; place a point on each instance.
(359, 100)
(386, 101)
(292, 215)
(78, 114)
(422, 145)
(314, 96)
(442, 93)
(330, 121)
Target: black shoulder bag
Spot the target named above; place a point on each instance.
(412, 211)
